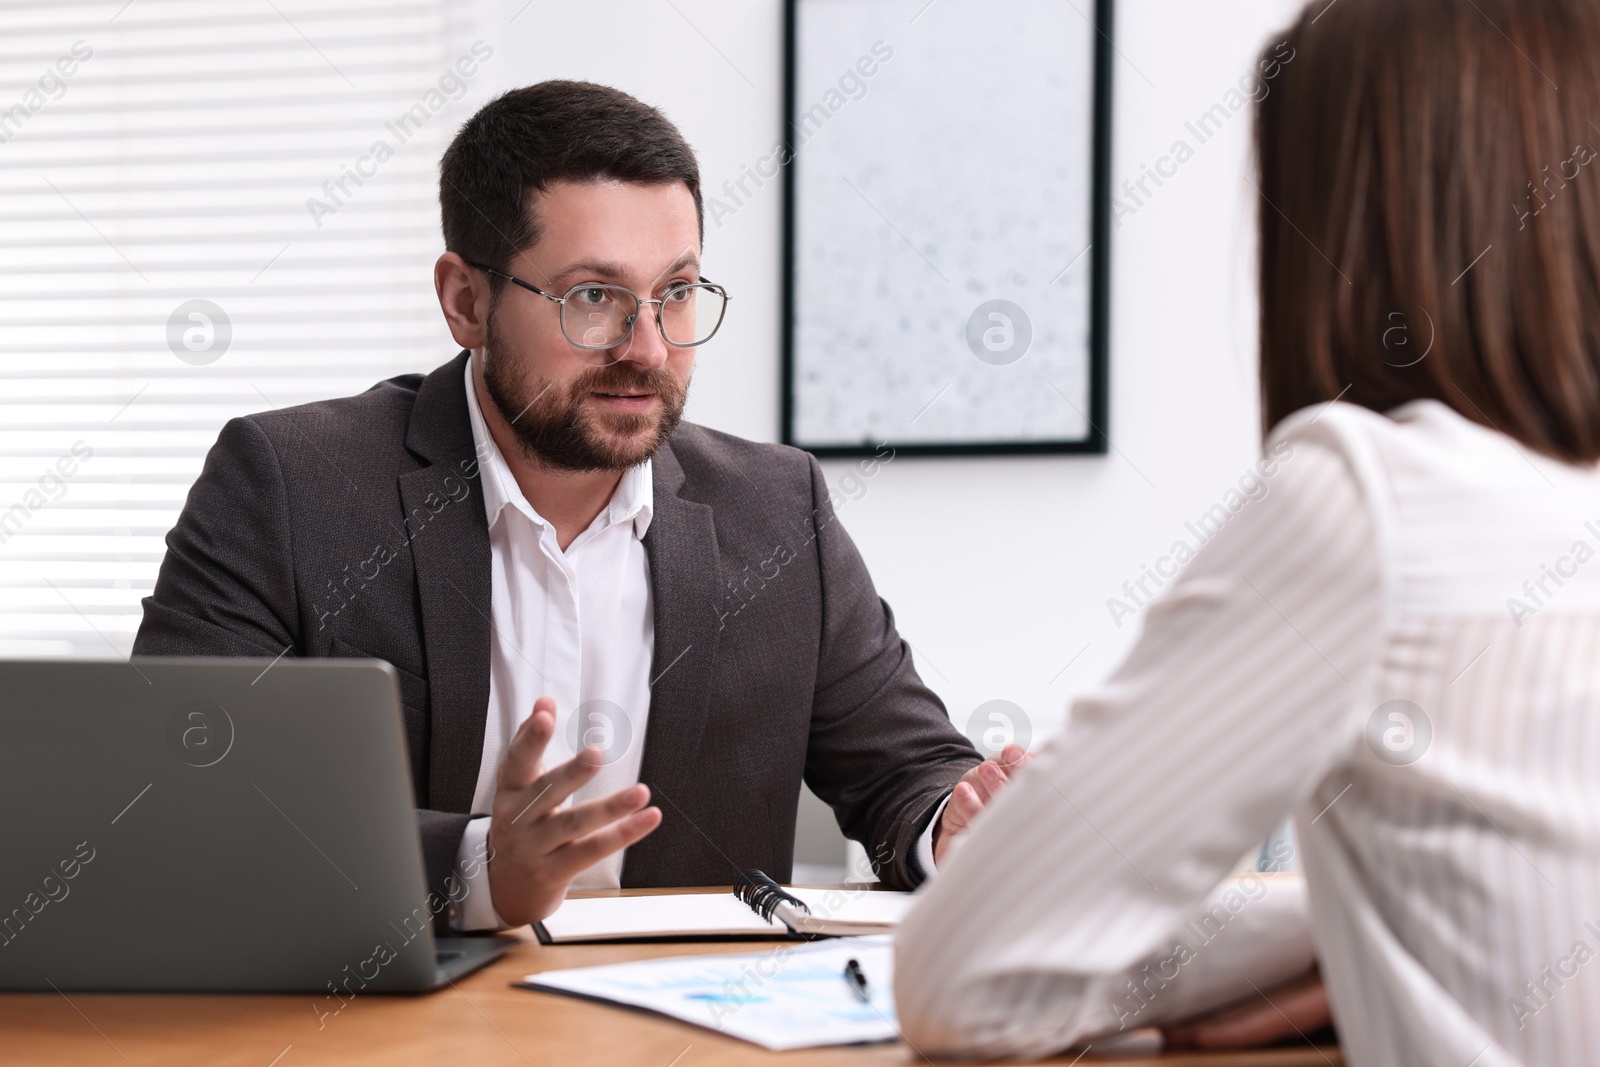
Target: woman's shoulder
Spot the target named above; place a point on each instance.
(1424, 442)
(1345, 427)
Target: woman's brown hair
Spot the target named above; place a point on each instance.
(1430, 214)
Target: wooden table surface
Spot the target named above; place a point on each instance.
(480, 1020)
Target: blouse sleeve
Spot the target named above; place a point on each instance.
(1240, 696)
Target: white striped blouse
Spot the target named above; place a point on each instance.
(1398, 644)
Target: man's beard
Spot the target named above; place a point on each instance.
(551, 424)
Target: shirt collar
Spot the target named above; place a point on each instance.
(632, 500)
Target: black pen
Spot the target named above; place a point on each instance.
(857, 981)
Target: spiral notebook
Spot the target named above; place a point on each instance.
(758, 909)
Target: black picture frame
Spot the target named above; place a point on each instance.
(1097, 441)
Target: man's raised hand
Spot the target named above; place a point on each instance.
(976, 788)
(536, 850)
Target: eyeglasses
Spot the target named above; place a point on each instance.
(598, 316)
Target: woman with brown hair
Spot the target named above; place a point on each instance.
(1400, 644)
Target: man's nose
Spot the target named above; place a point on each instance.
(644, 345)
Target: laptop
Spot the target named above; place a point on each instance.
(214, 825)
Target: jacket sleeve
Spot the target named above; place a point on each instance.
(227, 588)
(882, 751)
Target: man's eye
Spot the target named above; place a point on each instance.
(595, 296)
(678, 294)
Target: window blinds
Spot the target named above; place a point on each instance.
(206, 209)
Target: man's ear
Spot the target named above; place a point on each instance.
(464, 298)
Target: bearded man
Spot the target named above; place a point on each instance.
(622, 640)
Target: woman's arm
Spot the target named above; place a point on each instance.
(1245, 689)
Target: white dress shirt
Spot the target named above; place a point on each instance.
(576, 625)
(1451, 843)
(579, 626)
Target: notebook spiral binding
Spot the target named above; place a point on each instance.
(764, 895)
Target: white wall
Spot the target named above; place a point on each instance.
(998, 569)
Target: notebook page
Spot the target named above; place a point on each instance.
(855, 905)
(681, 914)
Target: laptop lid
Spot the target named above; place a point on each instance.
(209, 825)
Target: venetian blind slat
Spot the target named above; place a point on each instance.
(197, 224)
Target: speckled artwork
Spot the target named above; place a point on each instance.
(942, 227)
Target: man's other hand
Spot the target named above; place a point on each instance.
(536, 850)
(976, 788)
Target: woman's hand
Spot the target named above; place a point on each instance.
(1300, 1007)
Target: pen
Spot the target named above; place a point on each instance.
(857, 981)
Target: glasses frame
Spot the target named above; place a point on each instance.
(661, 327)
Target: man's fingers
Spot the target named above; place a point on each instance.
(522, 761)
(591, 815)
(1013, 758)
(986, 779)
(964, 804)
(549, 790)
(990, 776)
(587, 851)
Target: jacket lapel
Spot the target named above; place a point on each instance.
(684, 569)
(449, 537)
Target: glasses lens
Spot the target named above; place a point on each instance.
(598, 316)
(690, 314)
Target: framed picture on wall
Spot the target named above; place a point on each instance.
(947, 226)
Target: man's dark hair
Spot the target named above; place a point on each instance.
(553, 131)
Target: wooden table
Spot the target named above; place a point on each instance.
(480, 1020)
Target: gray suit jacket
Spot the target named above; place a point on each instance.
(355, 527)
